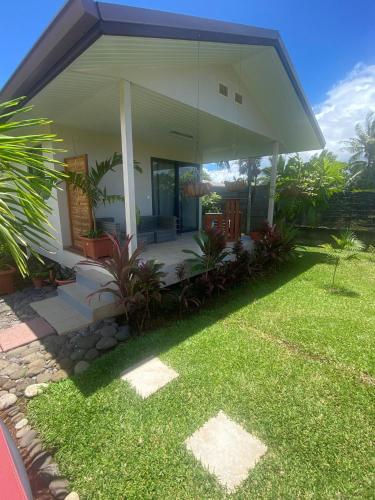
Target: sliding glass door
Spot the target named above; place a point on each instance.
(168, 194)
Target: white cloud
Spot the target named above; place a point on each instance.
(346, 104)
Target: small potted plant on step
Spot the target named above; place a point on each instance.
(7, 271)
(95, 243)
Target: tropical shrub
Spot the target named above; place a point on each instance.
(136, 285)
(211, 203)
(275, 245)
(345, 247)
(212, 245)
(27, 178)
(186, 294)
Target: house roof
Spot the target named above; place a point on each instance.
(81, 22)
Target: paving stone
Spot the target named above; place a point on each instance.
(106, 343)
(21, 424)
(108, 331)
(226, 450)
(59, 375)
(149, 376)
(7, 400)
(34, 389)
(123, 333)
(27, 438)
(81, 367)
(91, 354)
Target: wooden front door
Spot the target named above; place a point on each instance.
(79, 206)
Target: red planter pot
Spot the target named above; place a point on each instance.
(97, 247)
(255, 235)
(7, 280)
(38, 282)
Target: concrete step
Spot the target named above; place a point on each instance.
(60, 315)
(91, 278)
(93, 308)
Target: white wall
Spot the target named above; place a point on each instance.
(99, 146)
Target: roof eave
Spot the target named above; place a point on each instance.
(81, 22)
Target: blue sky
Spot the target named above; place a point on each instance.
(331, 43)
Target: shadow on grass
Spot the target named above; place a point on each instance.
(109, 367)
(343, 291)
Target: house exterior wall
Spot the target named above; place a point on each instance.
(99, 146)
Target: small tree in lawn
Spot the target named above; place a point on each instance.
(346, 246)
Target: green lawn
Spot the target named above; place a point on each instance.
(284, 357)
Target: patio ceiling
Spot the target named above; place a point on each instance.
(73, 72)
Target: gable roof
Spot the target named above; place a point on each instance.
(81, 22)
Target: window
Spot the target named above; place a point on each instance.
(238, 98)
(223, 89)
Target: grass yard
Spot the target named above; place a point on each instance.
(290, 361)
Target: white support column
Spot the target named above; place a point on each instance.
(271, 200)
(128, 162)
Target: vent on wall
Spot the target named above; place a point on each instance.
(238, 98)
(223, 89)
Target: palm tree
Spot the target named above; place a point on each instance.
(90, 184)
(362, 149)
(27, 180)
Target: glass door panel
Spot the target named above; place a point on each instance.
(189, 206)
(164, 187)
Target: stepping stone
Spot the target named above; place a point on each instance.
(149, 376)
(24, 333)
(226, 450)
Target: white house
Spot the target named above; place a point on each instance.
(169, 91)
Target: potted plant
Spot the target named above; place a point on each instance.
(64, 276)
(95, 243)
(7, 271)
(38, 271)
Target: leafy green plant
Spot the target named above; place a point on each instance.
(27, 177)
(212, 245)
(276, 244)
(346, 246)
(136, 285)
(186, 295)
(371, 253)
(90, 184)
(211, 203)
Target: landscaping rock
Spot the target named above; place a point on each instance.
(106, 343)
(9, 384)
(59, 375)
(78, 354)
(108, 331)
(35, 367)
(81, 367)
(49, 472)
(123, 333)
(88, 341)
(17, 417)
(34, 389)
(41, 460)
(59, 488)
(27, 438)
(91, 354)
(7, 400)
(17, 372)
(23, 431)
(44, 377)
(34, 448)
(65, 363)
(21, 424)
(72, 496)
